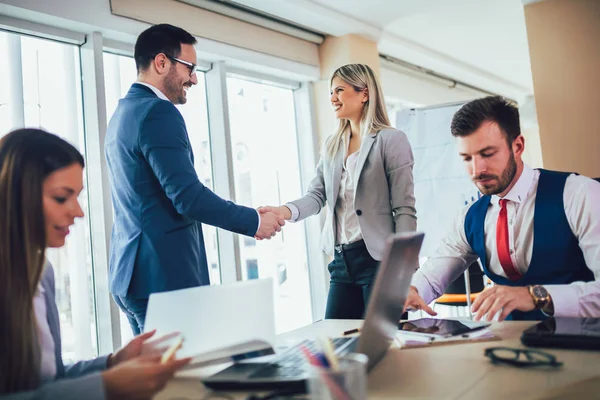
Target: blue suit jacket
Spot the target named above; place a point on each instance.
(158, 200)
(78, 381)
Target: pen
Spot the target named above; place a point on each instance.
(351, 331)
(329, 352)
(168, 355)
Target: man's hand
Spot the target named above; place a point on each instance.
(131, 350)
(416, 302)
(270, 224)
(505, 298)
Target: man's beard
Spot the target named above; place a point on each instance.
(174, 89)
(503, 181)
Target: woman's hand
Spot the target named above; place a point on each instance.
(140, 378)
(131, 350)
(282, 211)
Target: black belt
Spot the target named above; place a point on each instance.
(349, 246)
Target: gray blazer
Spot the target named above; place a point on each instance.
(78, 381)
(384, 197)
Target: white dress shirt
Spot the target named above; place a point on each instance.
(156, 91)
(348, 227)
(46, 341)
(162, 96)
(582, 209)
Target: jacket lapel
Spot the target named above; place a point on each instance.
(365, 148)
(53, 320)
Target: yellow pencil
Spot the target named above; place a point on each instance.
(329, 352)
(170, 353)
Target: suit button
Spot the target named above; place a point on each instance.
(358, 212)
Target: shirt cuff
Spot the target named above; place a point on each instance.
(425, 290)
(564, 299)
(294, 210)
(258, 227)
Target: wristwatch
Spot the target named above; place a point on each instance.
(541, 298)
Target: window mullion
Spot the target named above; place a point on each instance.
(100, 215)
(223, 177)
(308, 147)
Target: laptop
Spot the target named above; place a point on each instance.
(564, 332)
(289, 369)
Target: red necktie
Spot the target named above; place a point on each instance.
(502, 244)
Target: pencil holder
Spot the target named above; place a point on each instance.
(347, 382)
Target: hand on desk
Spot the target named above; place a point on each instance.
(271, 221)
(505, 298)
(415, 302)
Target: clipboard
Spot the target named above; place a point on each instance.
(407, 341)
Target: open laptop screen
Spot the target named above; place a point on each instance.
(400, 261)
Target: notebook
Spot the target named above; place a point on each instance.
(215, 319)
(289, 369)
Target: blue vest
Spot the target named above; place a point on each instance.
(556, 258)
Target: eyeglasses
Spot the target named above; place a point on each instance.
(191, 66)
(521, 357)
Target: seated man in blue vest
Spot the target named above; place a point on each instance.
(536, 232)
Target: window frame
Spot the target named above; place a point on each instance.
(92, 45)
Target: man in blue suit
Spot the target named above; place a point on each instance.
(158, 200)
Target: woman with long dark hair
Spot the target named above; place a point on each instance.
(41, 176)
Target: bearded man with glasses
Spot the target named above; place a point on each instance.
(159, 202)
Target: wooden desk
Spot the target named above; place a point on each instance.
(458, 371)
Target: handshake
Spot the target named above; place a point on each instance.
(271, 221)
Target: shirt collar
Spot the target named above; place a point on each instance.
(519, 191)
(157, 92)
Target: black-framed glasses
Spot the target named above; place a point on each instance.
(521, 357)
(191, 66)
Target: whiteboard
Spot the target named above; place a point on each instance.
(442, 185)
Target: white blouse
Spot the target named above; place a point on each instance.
(348, 228)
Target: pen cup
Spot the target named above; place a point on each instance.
(348, 382)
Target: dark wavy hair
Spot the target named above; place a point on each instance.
(492, 108)
(27, 158)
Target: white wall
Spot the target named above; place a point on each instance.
(405, 87)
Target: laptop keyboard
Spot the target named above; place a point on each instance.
(292, 363)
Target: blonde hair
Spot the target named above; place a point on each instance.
(374, 115)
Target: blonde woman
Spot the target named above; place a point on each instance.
(365, 178)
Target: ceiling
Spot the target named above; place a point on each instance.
(480, 42)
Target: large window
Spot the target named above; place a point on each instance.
(266, 169)
(40, 86)
(53, 85)
(119, 75)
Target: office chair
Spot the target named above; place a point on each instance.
(463, 291)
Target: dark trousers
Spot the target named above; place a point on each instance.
(352, 274)
(135, 310)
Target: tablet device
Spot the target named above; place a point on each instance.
(441, 327)
(562, 332)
